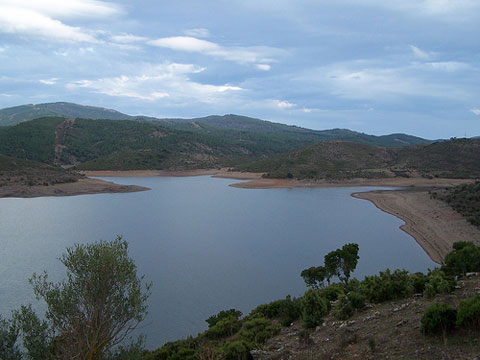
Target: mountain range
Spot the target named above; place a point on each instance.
(93, 138)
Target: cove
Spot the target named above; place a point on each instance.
(205, 246)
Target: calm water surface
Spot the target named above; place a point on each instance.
(204, 245)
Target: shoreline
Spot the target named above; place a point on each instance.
(433, 224)
(83, 186)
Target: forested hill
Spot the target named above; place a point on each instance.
(215, 141)
(211, 125)
(457, 158)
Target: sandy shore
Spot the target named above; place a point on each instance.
(221, 173)
(81, 187)
(432, 223)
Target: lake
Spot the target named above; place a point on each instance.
(205, 246)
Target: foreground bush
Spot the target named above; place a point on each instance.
(438, 319)
(257, 331)
(464, 258)
(469, 313)
(387, 286)
(314, 308)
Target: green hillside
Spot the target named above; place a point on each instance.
(126, 144)
(213, 125)
(458, 158)
(304, 136)
(24, 172)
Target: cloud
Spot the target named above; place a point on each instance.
(51, 81)
(41, 18)
(186, 43)
(260, 56)
(446, 66)
(419, 54)
(159, 82)
(27, 22)
(66, 8)
(363, 81)
(127, 38)
(475, 111)
(264, 67)
(443, 10)
(201, 32)
(283, 104)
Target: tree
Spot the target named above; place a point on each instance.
(99, 304)
(348, 261)
(314, 277)
(342, 262)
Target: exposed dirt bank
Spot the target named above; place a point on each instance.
(221, 173)
(261, 183)
(81, 187)
(433, 224)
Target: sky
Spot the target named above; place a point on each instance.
(374, 66)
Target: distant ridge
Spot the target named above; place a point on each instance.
(17, 114)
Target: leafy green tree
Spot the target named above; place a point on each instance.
(99, 304)
(341, 262)
(9, 332)
(348, 261)
(314, 277)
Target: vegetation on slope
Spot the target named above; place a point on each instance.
(28, 173)
(463, 198)
(458, 158)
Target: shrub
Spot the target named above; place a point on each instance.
(225, 327)
(287, 310)
(343, 309)
(438, 318)
(387, 286)
(418, 282)
(469, 313)
(314, 308)
(212, 320)
(438, 283)
(332, 292)
(347, 304)
(236, 350)
(464, 258)
(257, 331)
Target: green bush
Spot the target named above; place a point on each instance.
(418, 282)
(469, 313)
(464, 258)
(438, 319)
(257, 331)
(236, 350)
(356, 299)
(224, 327)
(314, 308)
(344, 309)
(212, 320)
(438, 283)
(332, 292)
(287, 310)
(387, 286)
(347, 304)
